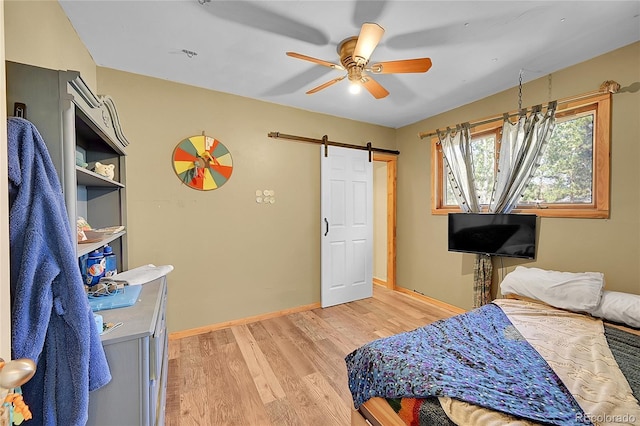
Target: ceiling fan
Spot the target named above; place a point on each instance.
(354, 53)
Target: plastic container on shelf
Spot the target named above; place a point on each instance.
(111, 264)
(95, 267)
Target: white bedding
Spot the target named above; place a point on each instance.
(575, 291)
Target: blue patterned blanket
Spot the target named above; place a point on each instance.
(478, 357)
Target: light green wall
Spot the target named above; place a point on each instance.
(39, 33)
(233, 257)
(611, 246)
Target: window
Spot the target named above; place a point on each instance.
(483, 149)
(573, 177)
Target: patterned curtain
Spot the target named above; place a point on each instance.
(521, 147)
(456, 152)
(482, 278)
(458, 160)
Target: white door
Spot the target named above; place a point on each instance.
(346, 225)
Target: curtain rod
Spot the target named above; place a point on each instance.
(325, 141)
(607, 86)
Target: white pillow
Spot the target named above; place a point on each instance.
(619, 307)
(575, 291)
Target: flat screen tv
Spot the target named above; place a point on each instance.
(509, 235)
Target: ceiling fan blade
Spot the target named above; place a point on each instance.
(370, 35)
(368, 11)
(315, 60)
(325, 85)
(374, 87)
(255, 16)
(402, 66)
(296, 83)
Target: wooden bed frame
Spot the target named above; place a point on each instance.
(377, 412)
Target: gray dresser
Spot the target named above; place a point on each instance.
(137, 356)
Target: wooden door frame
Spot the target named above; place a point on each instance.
(5, 297)
(392, 168)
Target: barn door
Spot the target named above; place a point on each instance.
(346, 225)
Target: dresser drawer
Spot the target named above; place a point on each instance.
(158, 341)
(135, 353)
(158, 344)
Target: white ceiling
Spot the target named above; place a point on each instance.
(478, 48)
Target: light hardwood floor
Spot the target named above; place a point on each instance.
(288, 370)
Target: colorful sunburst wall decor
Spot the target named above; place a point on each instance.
(202, 162)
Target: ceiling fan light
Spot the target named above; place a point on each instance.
(369, 37)
(355, 88)
(363, 54)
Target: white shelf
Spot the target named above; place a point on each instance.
(88, 178)
(89, 247)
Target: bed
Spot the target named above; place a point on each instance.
(557, 349)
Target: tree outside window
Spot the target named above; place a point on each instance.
(565, 174)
